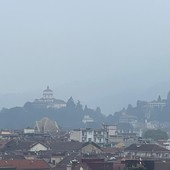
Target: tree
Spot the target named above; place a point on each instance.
(159, 99)
(98, 110)
(155, 134)
(79, 107)
(130, 109)
(70, 103)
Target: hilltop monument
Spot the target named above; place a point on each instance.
(48, 100)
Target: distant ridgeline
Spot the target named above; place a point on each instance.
(67, 114)
(158, 110)
(73, 115)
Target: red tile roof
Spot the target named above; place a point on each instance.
(24, 164)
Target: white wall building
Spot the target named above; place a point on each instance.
(29, 131)
(48, 100)
(99, 136)
(76, 135)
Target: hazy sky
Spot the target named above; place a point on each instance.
(103, 53)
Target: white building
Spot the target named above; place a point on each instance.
(87, 119)
(99, 136)
(48, 95)
(76, 135)
(88, 135)
(29, 131)
(48, 100)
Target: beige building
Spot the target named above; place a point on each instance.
(91, 148)
(76, 135)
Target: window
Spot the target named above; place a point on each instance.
(89, 139)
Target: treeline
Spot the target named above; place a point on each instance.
(67, 117)
(142, 112)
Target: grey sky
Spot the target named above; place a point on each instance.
(103, 53)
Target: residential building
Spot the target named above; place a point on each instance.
(147, 151)
(76, 135)
(25, 164)
(100, 136)
(89, 135)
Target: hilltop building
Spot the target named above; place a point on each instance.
(159, 104)
(48, 95)
(48, 100)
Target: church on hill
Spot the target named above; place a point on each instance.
(48, 100)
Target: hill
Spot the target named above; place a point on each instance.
(70, 116)
(156, 110)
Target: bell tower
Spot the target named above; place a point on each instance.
(48, 94)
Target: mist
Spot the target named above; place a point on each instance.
(106, 54)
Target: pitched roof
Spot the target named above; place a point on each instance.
(112, 150)
(24, 164)
(67, 159)
(146, 147)
(65, 146)
(12, 156)
(17, 145)
(14, 145)
(91, 143)
(34, 144)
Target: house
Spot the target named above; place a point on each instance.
(35, 147)
(25, 164)
(76, 135)
(91, 164)
(87, 150)
(100, 136)
(97, 164)
(88, 134)
(65, 147)
(56, 158)
(161, 165)
(90, 148)
(23, 150)
(113, 152)
(147, 151)
(148, 164)
(22, 145)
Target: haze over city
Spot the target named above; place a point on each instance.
(106, 54)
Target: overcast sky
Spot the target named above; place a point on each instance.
(103, 53)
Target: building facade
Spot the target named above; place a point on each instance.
(100, 136)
